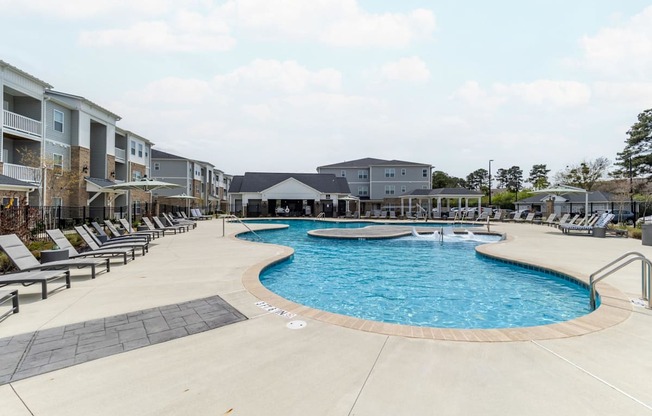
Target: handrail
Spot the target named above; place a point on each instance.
(321, 216)
(233, 217)
(646, 271)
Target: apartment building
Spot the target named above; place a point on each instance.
(196, 179)
(379, 183)
(21, 135)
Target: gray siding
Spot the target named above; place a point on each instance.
(49, 132)
(403, 183)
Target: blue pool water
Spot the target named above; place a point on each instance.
(416, 281)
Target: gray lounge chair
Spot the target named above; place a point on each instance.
(131, 232)
(602, 221)
(62, 242)
(148, 223)
(6, 296)
(94, 244)
(25, 261)
(43, 277)
(180, 227)
(179, 221)
(116, 235)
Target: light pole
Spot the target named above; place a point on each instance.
(490, 160)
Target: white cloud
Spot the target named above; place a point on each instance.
(473, 94)
(547, 92)
(625, 48)
(84, 9)
(411, 69)
(271, 75)
(559, 94)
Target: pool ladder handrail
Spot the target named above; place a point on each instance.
(321, 216)
(237, 219)
(619, 263)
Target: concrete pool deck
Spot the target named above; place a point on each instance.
(260, 366)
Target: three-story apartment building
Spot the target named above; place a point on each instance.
(380, 183)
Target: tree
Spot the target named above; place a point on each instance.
(443, 180)
(502, 178)
(585, 174)
(539, 176)
(514, 179)
(638, 149)
(478, 180)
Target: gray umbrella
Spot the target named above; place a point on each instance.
(144, 184)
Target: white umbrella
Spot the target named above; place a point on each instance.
(147, 185)
(184, 197)
(567, 189)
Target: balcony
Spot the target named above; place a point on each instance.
(23, 173)
(120, 155)
(22, 125)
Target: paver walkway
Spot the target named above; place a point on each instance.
(38, 352)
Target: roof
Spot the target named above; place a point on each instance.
(260, 181)
(574, 197)
(101, 182)
(366, 162)
(25, 74)
(446, 192)
(87, 101)
(158, 154)
(7, 182)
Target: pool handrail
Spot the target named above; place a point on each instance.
(233, 217)
(646, 272)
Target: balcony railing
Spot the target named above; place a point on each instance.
(23, 173)
(22, 124)
(120, 155)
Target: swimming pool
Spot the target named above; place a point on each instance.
(416, 281)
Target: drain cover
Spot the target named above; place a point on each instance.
(296, 324)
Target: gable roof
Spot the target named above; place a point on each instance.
(446, 193)
(260, 181)
(368, 161)
(9, 183)
(158, 154)
(574, 197)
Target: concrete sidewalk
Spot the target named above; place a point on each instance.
(260, 366)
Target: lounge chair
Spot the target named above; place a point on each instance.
(196, 213)
(6, 296)
(62, 242)
(116, 235)
(562, 220)
(529, 218)
(131, 232)
(43, 277)
(383, 215)
(549, 221)
(179, 227)
(25, 261)
(498, 215)
(392, 215)
(148, 223)
(598, 222)
(95, 244)
(173, 222)
(367, 214)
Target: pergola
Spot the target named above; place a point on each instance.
(428, 195)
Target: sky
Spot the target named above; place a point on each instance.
(290, 85)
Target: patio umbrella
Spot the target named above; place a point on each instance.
(147, 185)
(567, 189)
(185, 197)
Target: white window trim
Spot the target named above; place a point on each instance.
(54, 119)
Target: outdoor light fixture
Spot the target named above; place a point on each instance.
(85, 169)
(112, 174)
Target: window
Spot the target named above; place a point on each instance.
(363, 191)
(403, 189)
(425, 173)
(9, 202)
(157, 166)
(136, 175)
(424, 186)
(57, 201)
(57, 163)
(403, 171)
(362, 174)
(343, 174)
(390, 189)
(133, 148)
(390, 172)
(58, 121)
(140, 150)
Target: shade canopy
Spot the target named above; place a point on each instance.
(567, 189)
(180, 196)
(147, 185)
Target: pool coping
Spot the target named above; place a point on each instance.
(615, 308)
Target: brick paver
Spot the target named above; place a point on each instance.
(35, 353)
